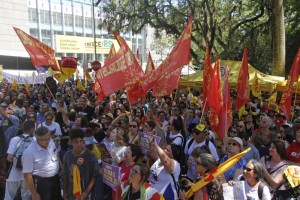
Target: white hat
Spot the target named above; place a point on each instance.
(123, 96)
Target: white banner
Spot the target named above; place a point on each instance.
(33, 79)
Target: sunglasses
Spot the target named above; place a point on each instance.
(132, 126)
(233, 144)
(31, 117)
(198, 163)
(279, 137)
(248, 169)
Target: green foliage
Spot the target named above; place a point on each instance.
(228, 25)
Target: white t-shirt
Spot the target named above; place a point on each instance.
(15, 174)
(212, 148)
(162, 181)
(178, 139)
(252, 192)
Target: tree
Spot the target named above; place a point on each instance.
(227, 24)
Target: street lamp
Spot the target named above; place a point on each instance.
(94, 27)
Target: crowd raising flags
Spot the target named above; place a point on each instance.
(124, 67)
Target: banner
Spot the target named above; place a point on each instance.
(111, 175)
(40, 79)
(144, 141)
(104, 152)
(235, 191)
(1, 76)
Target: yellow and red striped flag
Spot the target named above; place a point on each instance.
(213, 174)
(14, 85)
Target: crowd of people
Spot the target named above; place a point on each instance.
(49, 146)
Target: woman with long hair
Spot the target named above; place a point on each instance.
(253, 176)
(213, 190)
(120, 139)
(274, 166)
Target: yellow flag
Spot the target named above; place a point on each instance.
(256, 91)
(14, 85)
(87, 75)
(79, 84)
(221, 169)
(27, 86)
(272, 98)
(76, 182)
(60, 77)
(1, 69)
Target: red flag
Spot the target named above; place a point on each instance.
(167, 84)
(40, 53)
(242, 96)
(120, 71)
(150, 65)
(207, 72)
(214, 96)
(179, 56)
(225, 114)
(286, 99)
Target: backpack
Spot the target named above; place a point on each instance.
(22, 144)
(203, 147)
(261, 186)
(170, 140)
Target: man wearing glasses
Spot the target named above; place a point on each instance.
(40, 167)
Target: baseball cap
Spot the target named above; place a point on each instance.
(58, 94)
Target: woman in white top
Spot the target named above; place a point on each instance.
(166, 169)
(120, 140)
(253, 174)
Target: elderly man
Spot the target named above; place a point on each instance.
(40, 167)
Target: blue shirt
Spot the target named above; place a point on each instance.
(230, 173)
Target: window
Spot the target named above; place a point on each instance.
(88, 22)
(78, 21)
(57, 18)
(45, 17)
(68, 20)
(32, 15)
(34, 32)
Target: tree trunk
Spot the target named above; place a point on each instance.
(278, 38)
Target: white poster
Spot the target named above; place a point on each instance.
(234, 192)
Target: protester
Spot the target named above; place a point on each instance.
(234, 146)
(15, 180)
(293, 151)
(253, 176)
(136, 187)
(214, 190)
(40, 167)
(80, 169)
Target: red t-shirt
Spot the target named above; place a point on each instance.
(293, 152)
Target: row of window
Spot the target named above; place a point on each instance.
(57, 19)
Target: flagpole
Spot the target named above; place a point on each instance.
(294, 103)
(203, 110)
(49, 90)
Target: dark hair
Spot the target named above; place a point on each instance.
(244, 135)
(41, 131)
(177, 123)
(136, 151)
(84, 121)
(28, 126)
(179, 156)
(76, 133)
(280, 148)
(191, 127)
(144, 172)
(151, 124)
